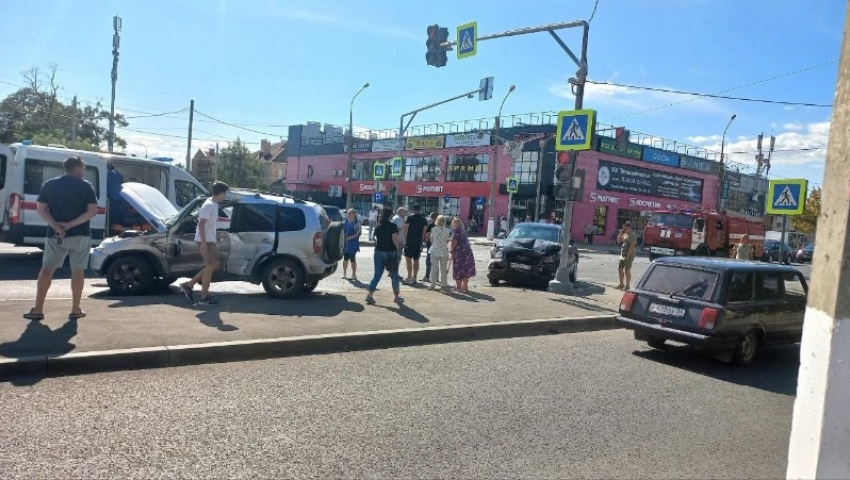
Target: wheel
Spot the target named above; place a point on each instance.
(703, 251)
(130, 276)
(493, 281)
(747, 348)
(787, 260)
(283, 278)
(574, 272)
(310, 286)
(656, 343)
(333, 244)
(653, 256)
(769, 258)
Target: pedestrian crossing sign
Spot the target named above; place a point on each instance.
(575, 130)
(467, 40)
(786, 197)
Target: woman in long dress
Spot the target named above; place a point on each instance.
(463, 261)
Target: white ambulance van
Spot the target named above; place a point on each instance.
(24, 168)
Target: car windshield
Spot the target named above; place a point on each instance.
(170, 221)
(671, 220)
(681, 281)
(809, 246)
(530, 231)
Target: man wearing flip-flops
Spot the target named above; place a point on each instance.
(67, 204)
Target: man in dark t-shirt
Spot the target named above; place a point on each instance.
(431, 220)
(66, 204)
(414, 234)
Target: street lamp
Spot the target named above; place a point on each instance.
(351, 146)
(494, 165)
(722, 162)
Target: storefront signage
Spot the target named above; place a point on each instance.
(600, 198)
(359, 146)
(467, 140)
(637, 202)
(424, 143)
(699, 165)
(661, 157)
(386, 145)
(616, 177)
(429, 189)
(366, 187)
(609, 145)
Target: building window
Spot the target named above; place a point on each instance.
(422, 169)
(634, 217)
(468, 168)
(309, 171)
(432, 204)
(525, 167)
(600, 220)
(361, 170)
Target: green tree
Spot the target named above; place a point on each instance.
(808, 221)
(37, 113)
(238, 168)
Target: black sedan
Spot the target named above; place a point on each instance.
(770, 253)
(805, 254)
(733, 307)
(529, 255)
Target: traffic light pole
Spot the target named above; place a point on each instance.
(402, 127)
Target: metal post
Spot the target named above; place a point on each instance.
(116, 42)
(74, 124)
(399, 153)
(189, 143)
(494, 166)
(351, 147)
(782, 239)
(723, 163)
(540, 158)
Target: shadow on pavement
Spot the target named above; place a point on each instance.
(775, 370)
(212, 319)
(584, 305)
(41, 338)
(586, 289)
(405, 312)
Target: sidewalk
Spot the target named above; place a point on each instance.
(168, 321)
(582, 248)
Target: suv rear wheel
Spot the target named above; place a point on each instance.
(283, 278)
(748, 348)
(130, 276)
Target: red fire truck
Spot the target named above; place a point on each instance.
(688, 232)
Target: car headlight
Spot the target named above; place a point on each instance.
(498, 255)
(550, 258)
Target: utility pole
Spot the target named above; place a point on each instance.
(189, 144)
(494, 166)
(116, 43)
(723, 164)
(819, 433)
(351, 147)
(74, 123)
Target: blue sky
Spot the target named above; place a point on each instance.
(265, 64)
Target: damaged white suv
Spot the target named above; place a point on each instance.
(287, 245)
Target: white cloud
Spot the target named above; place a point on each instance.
(630, 100)
(799, 144)
(794, 126)
(700, 139)
(345, 22)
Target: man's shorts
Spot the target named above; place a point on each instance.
(413, 251)
(76, 248)
(626, 262)
(350, 257)
(210, 254)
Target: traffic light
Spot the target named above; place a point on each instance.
(442, 37)
(433, 45)
(622, 137)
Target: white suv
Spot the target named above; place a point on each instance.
(288, 245)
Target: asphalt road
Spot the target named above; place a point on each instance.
(19, 269)
(593, 405)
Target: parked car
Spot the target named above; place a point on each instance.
(334, 214)
(287, 245)
(770, 253)
(731, 306)
(529, 254)
(805, 254)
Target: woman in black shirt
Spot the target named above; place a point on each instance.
(386, 255)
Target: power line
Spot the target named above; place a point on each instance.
(777, 77)
(592, 14)
(158, 114)
(711, 95)
(237, 126)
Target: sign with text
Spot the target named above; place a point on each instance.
(359, 146)
(661, 157)
(425, 143)
(609, 145)
(699, 165)
(467, 140)
(616, 177)
(386, 145)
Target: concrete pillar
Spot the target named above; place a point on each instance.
(820, 433)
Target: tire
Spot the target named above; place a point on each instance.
(656, 343)
(129, 276)
(310, 286)
(333, 243)
(702, 251)
(574, 272)
(769, 258)
(653, 256)
(747, 349)
(494, 282)
(283, 278)
(787, 260)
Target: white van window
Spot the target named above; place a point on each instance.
(186, 192)
(36, 172)
(153, 176)
(2, 171)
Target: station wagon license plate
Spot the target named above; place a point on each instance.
(520, 266)
(667, 310)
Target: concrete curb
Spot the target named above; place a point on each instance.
(168, 356)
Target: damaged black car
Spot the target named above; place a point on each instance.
(529, 255)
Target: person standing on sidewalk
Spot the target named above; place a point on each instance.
(206, 235)
(431, 221)
(588, 234)
(351, 228)
(66, 204)
(414, 234)
(399, 219)
(373, 221)
(439, 253)
(463, 260)
(386, 256)
(628, 245)
(743, 250)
